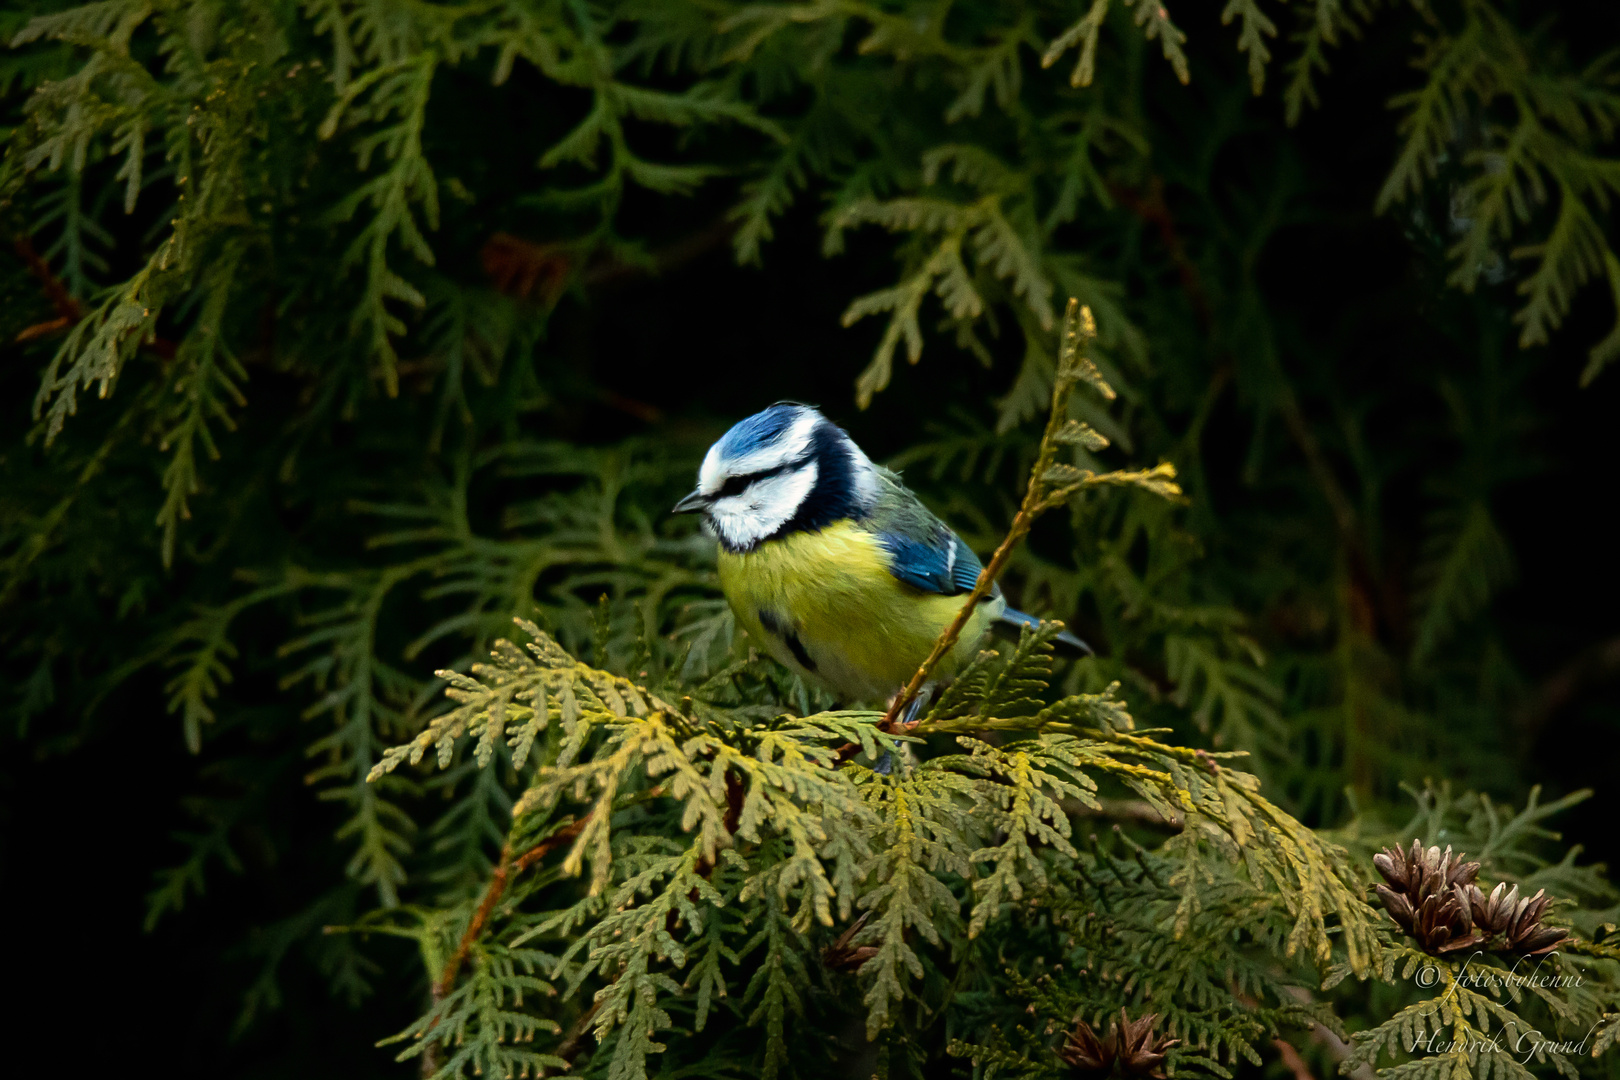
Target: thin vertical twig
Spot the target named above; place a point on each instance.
(507, 869)
(1078, 331)
(68, 309)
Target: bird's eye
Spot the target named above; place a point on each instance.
(734, 485)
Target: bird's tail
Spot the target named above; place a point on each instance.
(1011, 622)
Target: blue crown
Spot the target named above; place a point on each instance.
(761, 429)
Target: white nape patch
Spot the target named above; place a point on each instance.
(863, 473)
(743, 520)
(791, 444)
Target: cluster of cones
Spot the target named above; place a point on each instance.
(1432, 895)
(1131, 1044)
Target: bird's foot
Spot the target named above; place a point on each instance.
(914, 711)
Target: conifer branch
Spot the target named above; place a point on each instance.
(507, 869)
(68, 309)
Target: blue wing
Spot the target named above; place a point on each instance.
(943, 564)
(940, 564)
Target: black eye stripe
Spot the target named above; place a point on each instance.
(736, 485)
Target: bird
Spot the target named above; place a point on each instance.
(832, 563)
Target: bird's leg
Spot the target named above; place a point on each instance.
(908, 720)
(913, 714)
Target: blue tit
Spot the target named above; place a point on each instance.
(831, 562)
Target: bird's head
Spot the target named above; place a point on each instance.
(786, 469)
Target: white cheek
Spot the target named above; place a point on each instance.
(764, 507)
(730, 521)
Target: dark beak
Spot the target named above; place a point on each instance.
(695, 503)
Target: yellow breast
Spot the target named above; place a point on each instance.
(825, 604)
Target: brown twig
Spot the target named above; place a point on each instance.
(68, 310)
(525, 269)
(505, 871)
(735, 794)
(1336, 1048)
(43, 329)
(1153, 210)
(1366, 585)
(1136, 811)
(670, 257)
(530, 270)
(1591, 666)
(981, 589)
(1292, 1058)
(1039, 496)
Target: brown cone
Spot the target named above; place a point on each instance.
(843, 954)
(1131, 1043)
(1432, 896)
(1429, 896)
(1141, 1052)
(1087, 1056)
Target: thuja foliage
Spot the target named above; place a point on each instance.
(341, 334)
(722, 853)
(735, 888)
(720, 841)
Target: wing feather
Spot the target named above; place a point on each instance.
(941, 563)
(923, 551)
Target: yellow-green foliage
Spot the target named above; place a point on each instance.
(939, 850)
